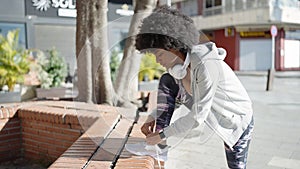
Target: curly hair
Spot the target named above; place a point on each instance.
(167, 29)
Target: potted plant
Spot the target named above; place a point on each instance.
(52, 71)
(14, 64)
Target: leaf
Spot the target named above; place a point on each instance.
(3, 71)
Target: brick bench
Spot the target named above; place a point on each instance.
(102, 145)
(71, 135)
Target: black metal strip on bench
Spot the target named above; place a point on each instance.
(129, 161)
(112, 146)
(115, 160)
(102, 142)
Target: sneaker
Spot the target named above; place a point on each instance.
(143, 149)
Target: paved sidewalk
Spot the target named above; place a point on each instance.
(276, 139)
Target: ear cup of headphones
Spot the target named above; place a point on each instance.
(178, 71)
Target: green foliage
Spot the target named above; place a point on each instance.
(114, 64)
(14, 61)
(52, 69)
(150, 68)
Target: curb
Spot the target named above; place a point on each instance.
(278, 74)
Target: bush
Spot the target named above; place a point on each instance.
(52, 70)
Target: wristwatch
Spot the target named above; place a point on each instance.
(162, 135)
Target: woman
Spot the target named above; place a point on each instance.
(219, 99)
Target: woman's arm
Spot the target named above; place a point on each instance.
(204, 83)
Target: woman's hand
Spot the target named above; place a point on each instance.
(148, 126)
(153, 138)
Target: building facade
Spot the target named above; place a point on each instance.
(52, 24)
(242, 27)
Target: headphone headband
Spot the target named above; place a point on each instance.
(186, 61)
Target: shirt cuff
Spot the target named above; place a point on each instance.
(169, 131)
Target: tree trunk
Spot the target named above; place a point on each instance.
(83, 54)
(94, 83)
(127, 78)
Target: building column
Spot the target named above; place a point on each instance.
(279, 50)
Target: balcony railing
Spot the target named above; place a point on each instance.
(238, 5)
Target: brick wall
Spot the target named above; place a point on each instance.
(39, 133)
(10, 135)
(43, 137)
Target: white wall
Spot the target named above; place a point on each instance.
(291, 54)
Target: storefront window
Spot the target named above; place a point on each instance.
(6, 27)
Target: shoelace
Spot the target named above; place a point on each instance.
(157, 149)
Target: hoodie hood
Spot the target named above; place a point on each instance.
(208, 51)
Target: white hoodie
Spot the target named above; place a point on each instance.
(220, 100)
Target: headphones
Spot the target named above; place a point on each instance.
(178, 71)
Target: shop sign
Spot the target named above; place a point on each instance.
(51, 8)
(66, 8)
(265, 34)
(43, 5)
